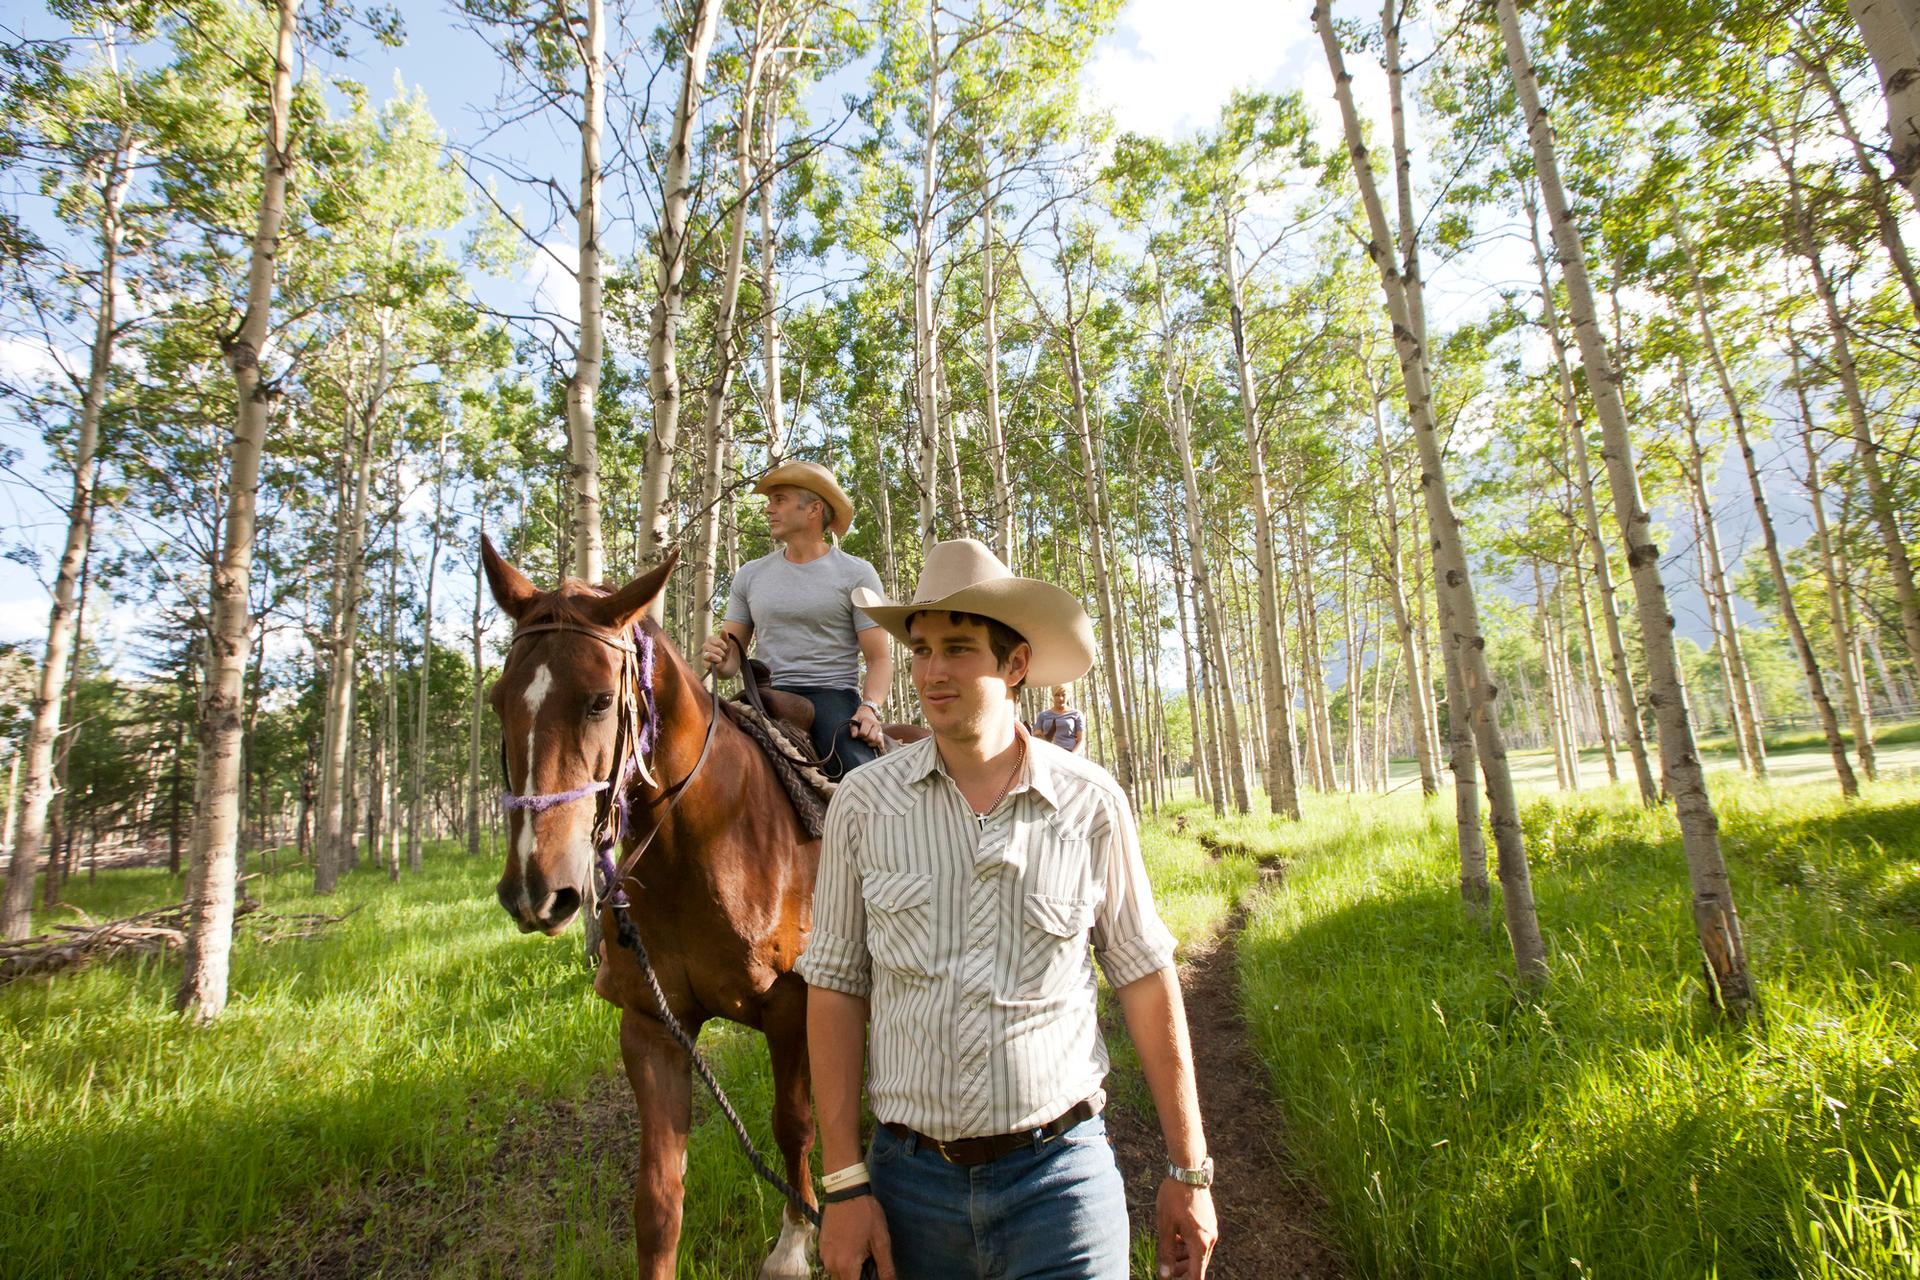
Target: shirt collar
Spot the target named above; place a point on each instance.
(1039, 773)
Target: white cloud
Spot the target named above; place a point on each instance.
(1170, 64)
(550, 274)
(22, 359)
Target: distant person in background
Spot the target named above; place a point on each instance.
(1064, 726)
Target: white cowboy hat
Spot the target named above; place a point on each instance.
(819, 481)
(964, 576)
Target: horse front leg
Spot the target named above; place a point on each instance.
(662, 1080)
(785, 1023)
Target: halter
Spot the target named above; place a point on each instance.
(637, 732)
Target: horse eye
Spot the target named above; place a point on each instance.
(602, 703)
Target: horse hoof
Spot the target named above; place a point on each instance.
(788, 1261)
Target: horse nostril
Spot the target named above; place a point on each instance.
(562, 905)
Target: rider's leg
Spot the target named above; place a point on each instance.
(833, 739)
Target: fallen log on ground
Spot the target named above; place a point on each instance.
(72, 946)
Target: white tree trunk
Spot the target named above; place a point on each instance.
(713, 418)
(1716, 920)
(203, 987)
(676, 197)
(417, 776)
(1283, 791)
(1624, 692)
(1890, 42)
(583, 389)
(1809, 665)
(1463, 639)
(1843, 638)
(26, 832)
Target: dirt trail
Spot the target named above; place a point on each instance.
(1272, 1220)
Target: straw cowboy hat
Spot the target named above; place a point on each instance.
(964, 576)
(819, 481)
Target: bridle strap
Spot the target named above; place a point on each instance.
(616, 895)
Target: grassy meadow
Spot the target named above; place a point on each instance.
(421, 1091)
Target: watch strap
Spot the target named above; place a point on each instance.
(1197, 1177)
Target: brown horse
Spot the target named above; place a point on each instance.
(722, 897)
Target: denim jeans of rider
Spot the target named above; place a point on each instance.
(833, 739)
(1054, 1210)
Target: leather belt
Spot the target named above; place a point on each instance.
(972, 1151)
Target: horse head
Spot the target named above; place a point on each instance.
(565, 701)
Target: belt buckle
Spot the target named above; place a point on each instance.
(940, 1149)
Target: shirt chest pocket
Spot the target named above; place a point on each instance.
(900, 921)
(1053, 945)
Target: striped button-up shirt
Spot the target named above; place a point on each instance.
(969, 937)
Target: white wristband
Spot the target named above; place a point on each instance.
(851, 1176)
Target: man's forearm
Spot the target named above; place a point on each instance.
(1157, 1021)
(879, 680)
(836, 1046)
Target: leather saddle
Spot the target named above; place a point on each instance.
(796, 713)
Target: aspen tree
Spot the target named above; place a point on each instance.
(1462, 641)
(1716, 920)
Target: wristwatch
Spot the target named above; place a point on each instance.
(869, 702)
(1201, 1177)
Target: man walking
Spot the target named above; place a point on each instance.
(796, 599)
(961, 881)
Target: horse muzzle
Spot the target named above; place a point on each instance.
(538, 910)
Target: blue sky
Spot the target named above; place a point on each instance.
(1165, 70)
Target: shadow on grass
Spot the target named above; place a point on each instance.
(1611, 1122)
(378, 1079)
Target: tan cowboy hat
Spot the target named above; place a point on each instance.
(817, 480)
(964, 576)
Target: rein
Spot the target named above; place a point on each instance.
(608, 827)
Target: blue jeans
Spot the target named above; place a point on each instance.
(833, 739)
(1053, 1211)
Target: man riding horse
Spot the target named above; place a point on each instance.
(798, 600)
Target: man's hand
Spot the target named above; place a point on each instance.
(866, 725)
(1186, 1227)
(720, 654)
(853, 1231)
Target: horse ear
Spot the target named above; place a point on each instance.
(618, 611)
(512, 590)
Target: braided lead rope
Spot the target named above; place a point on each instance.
(630, 938)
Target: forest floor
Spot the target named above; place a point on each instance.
(420, 1091)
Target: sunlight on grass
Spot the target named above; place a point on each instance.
(1612, 1125)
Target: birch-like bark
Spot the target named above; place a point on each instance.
(1110, 619)
(676, 198)
(1596, 683)
(1556, 723)
(1744, 707)
(333, 849)
(1283, 792)
(1716, 919)
(1843, 644)
(713, 418)
(1866, 447)
(1232, 757)
(765, 149)
(1410, 648)
(1885, 221)
(28, 830)
(1809, 665)
(1576, 430)
(583, 388)
(1890, 42)
(1181, 596)
(926, 342)
(478, 701)
(1463, 640)
(990, 366)
(416, 781)
(203, 987)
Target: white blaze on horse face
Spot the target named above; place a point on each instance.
(536, 693)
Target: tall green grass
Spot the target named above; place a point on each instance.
(1613, 1125)
(381, 1097)
(388, 1068)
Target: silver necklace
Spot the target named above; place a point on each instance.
(1019, 760)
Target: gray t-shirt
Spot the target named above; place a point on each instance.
(803, 617)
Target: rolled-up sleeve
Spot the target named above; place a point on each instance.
(1129, 938)
(836, 955)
